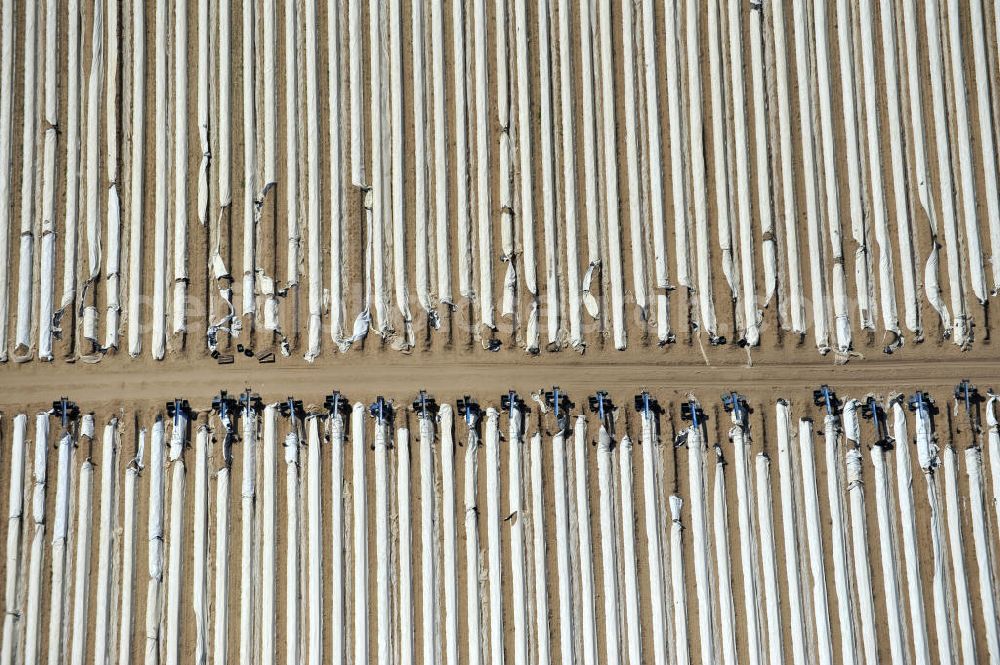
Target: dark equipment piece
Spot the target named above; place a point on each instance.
(250, 401)
(968, 394)
(380, 410)
(691, 412)
(826, 398)
(559, 402)
(602, 405)
(736, 404)
(292, 407)
(225, 406)
(224, 359)
(646, 404)
(336, 403)
(267, 357)
(511, 402)
(870, 410)
(66, 410)
(178, 408)
(424, 405)
(469, 410)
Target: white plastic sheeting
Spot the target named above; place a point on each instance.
(678, 587)
(15, 514)
(911, 557)
(527, 189)
(940, 582)
(269, 546)
(814, 536)
(636, 219)
(339, 627)
(460, 128)
(835, 491)
(398, 163)
(518, 566)
(548, 189)
(484, 208)
(961, 596)
(220, 632)
(36, 559)
(179, 131)
(720, 520)
(47, 267)
(71, 129)
(315, 517)
(91, 174)
(537, 513)
(81, 579)
(652, 510)
(790, 536)
(441, 210)
(888, 553)
(493, 534)
(701, 543)
(768, 561)
(771, 258)
(984, 559)
(360, 503)
(428, 543)
(567, 638)
(448, 522)
(588, 621)
(293, 566)
(6, 130)
(633, 634)
(354, 43)
(161, 204)
(60, 537)
(609, 550)
(749, 562)
(993, 424)
(128, 554)
(22, 335)
(383, 592)
(405, 546)
(249, 543)
(250, 187)
(859, 532)
(570, 209)
(199, 559)
(175, 543)
(313, 205)
(986, 142)
(204, 122)
(137, 174)
(113, 265)
(720, 159)
(154, 535)
(336, 309)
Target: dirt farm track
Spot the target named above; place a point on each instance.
(506, 332)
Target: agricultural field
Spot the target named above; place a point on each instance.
(466, 331)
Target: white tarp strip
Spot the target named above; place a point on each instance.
(527, 189)
(993, 423)
(60, 536)
(315, 517)
(383, 593)
(652, 506)
(678, 587)
(359, 500)
(405, 549)
(175, 562)
(81, 583)
(567, 635)
(609, 552)
(339, 624)
(654, 149)
(204, 123)
(137, 176)
(484, 205)
(762, 166)
(678, 179)
(768, 561)
(473, 572)
(441, 181)
(336, 306)
(128, 555)
(720, 518)
(375, 198)
(966, 169)
(6, 130)
(161, 202)
(838, 540)
(610, 173)
(984, 562)
(36, 561)
(113, 266)
(588, 627)
(915, 83)
(28, 139)
(888, 553)
(550, 231)
(421, 211)
(428, 543)
(864, 290)
(814, 534)
(154, 534)
(270, 94)
(748, 544)
(199, 584)
(790, 536)
(220, 633)
(741, 150)
(636, 218)
(493, 533)
(859, 540)
(249, 544)
(782, 80)
(506, 203)
(943, 623)
(590, 167)
(398, 149)
(904, 231)
(701, 543)
(461, 130)
(354, 43)
(720, 158)
(313, 205)
(72, 184)
(269, 546)
(448, 522)
(179, 131)
(631, 577)
(986, 139)
(250, 193)
(887, 284)
(537, 517)
(935, 56)
(92, 170)
(518, 566)
(817, 264)
(911, 556)
(47, 269)
(293, 566)
(962, 598)
(15, 516)
(570, 209)
(225, 104)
